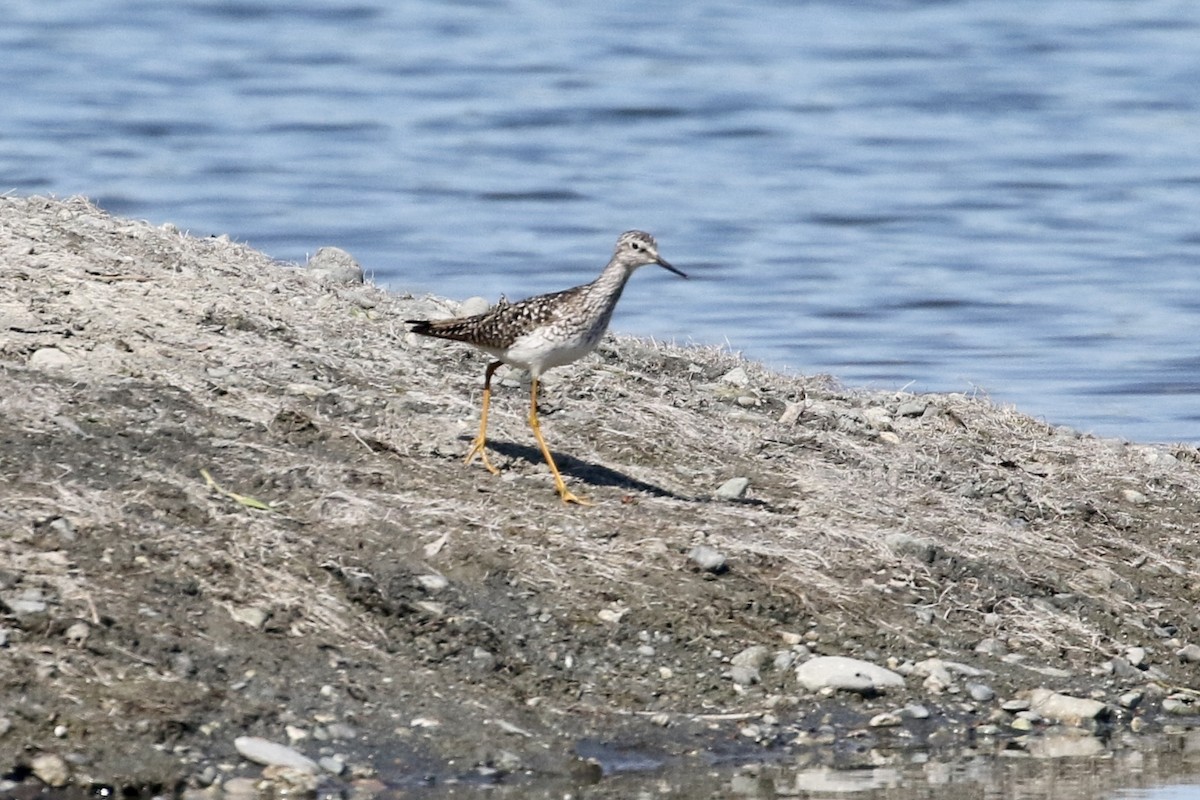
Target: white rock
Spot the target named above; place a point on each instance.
(50, 769)
(472, 306)
(850, 674)
(266, 752)
(707, 558)
(1065, 708)
(736, 377)
(335, 265)
(50, 358)
(432, 583)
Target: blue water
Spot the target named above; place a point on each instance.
(997, 197)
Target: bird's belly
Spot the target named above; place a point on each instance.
(547, 348)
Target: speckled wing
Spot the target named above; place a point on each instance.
(500, 326)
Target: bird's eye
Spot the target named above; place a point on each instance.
(635, 245)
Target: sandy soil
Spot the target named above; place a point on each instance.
(232, 503)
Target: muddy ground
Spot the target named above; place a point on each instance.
(345, 585)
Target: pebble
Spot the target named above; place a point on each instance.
(980, 692)
(1136, 656)
(754, 657)
(912, 408)
(733, 489)
(991, 647)
(887, 719)
(743, 675)
(341, 731)
(1130, 699)
(5, 725)
(784, 659)
(708, 559)
(1135, 497)
(50, 769)
(26, 604)
(264, 751)
(432, 583)
(240, 789)
(903, 544)
(914, 711)
(1021, 724)
(845, 673)
(334, 765)
(1179, 704)
(736, 377)
(77, 634)
(1013, 706)
(335, 265)
(292, 781)
(50, 358)
(1189, 653)
(473, 305)
(1065, 708)
(250, 616)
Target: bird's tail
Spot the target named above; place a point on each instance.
(453, 329)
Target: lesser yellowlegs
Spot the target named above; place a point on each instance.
(544, 332)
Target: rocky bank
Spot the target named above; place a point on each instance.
(233, 515)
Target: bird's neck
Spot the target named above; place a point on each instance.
(612, 280)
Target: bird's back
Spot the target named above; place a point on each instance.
(502, 325)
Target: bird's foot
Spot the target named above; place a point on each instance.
(478, 449)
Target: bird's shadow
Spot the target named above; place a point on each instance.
(594, 474)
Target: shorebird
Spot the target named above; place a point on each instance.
(544, 332)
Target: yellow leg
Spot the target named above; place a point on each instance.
(477, 447)
(563, 491)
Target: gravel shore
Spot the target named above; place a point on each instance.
(238, 548)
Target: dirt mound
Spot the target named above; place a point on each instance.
(232, 502)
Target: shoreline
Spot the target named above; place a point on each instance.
(345, 586)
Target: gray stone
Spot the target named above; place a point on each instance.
(1179, 704)
(340, 731)
(914, 711)
(912, 408)
(1136, 656)
(1130, 699)
(1189, 653)
(733, 489)
(266, 752)
(708, 559)
(335, 265)
(848, 674)
(743, 675)
(334, 765)
(980, 692)
(903, 544)
(754, 657)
